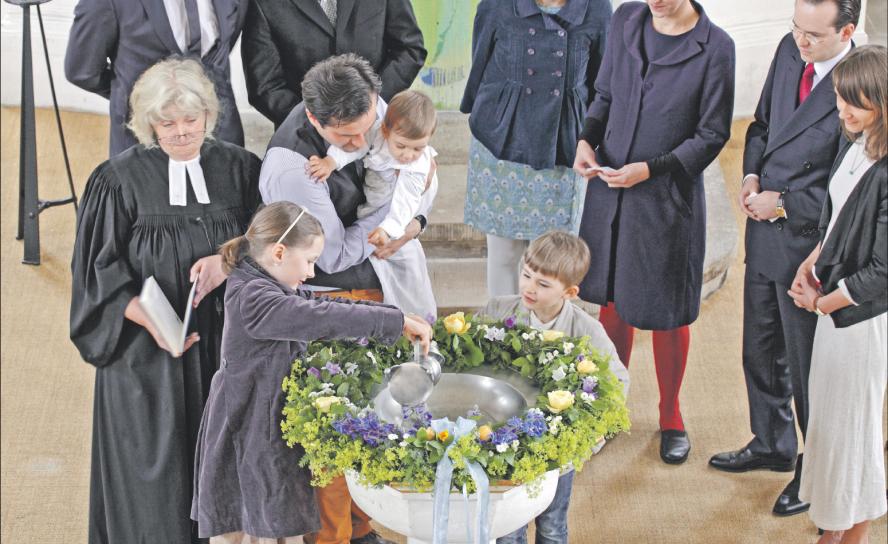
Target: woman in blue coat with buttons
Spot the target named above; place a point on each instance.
(662, 112)
(533, 64)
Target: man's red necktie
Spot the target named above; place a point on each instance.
(807, 82)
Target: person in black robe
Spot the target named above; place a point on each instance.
(155, 211)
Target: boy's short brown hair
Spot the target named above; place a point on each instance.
(560, 255)
(411, 114)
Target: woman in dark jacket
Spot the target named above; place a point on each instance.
(533, 64)
(662, 112)
(845, 282)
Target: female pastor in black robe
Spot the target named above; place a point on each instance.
(148, 404)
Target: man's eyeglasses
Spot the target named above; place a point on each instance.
(799, 33)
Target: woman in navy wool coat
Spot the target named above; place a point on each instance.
(662, 112)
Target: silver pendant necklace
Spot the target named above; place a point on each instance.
(860, 155)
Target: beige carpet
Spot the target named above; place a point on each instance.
(625, 495)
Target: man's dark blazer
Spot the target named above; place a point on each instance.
(857, 247)
(113, 41)
(284, 38)
(792, 149)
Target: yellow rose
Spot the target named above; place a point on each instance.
(560, 400)
(456, 323)
(550, 335)
(484, 432)
(586, 367)
(324, 403)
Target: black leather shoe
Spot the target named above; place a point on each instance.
(744, 460)
(788, 503)
(371, 538)
(674, 446)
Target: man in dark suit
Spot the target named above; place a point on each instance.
(790, 148)
(113, 41)
(284, 38)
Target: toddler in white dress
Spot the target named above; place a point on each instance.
(398, 161)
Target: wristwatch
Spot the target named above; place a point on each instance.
(781, 211)
(423, 223)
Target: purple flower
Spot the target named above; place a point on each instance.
(590, 384)
(581, 357)
(504, 435)
(368, 428)
(534, 425)
(332, 368)
(314, 372)
(362, 341)
(415, 417)
(510, 322)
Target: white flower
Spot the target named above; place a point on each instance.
(555, 425)
(559, 374)
(568, 347)
(398, 354)
(515, 445)
(490, 453)
(405, 436)
(393, 436)
(502, 447)
(495, 334)
(525, 336)
(351, 368)
(403, 444)
(556, 354)
(372, 357)
(572, 368)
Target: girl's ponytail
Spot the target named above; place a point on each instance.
(233, 251)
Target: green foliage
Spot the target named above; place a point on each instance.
(318, 395)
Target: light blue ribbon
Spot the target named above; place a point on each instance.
(443, 478)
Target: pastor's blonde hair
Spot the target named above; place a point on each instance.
(173, 83)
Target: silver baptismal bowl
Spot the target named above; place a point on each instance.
(498, 395)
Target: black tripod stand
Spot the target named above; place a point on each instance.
(30, 205)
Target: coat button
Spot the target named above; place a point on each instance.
(530, 71)
(556, 92)
(561, 33)
(531, 31)
(807, 165)
(530, 51)
(528, 91)
(764, 173)
(559, 53)
(557, 73)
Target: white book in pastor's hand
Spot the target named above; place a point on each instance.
(172, 330)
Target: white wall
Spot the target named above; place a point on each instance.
(755, 25)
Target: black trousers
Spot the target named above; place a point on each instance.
(777, 341)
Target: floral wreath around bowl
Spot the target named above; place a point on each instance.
(328, 412)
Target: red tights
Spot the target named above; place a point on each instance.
(670, 358)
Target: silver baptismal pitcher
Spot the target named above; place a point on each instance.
(411, 383)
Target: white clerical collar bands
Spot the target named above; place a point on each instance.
(177, 189)
(293, 224)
